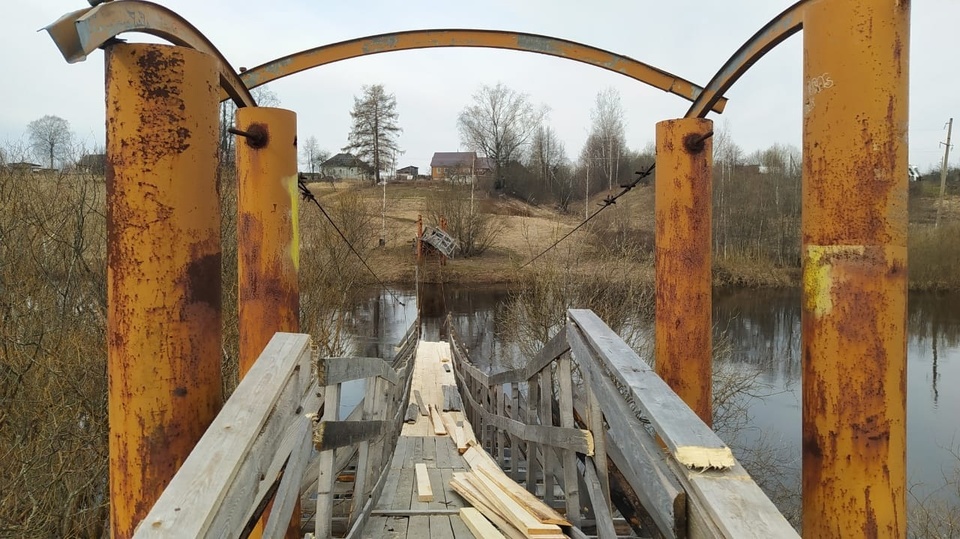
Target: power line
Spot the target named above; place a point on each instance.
(308, 195)
(607, 202)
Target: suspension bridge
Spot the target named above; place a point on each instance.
(584, 439)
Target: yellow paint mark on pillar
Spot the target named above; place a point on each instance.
(818, 275)
(292, 188)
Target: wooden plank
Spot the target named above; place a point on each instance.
(412, 512)
(575, 439)
(633, 450)
(289, 490)
(438, 427)
(594, 419)
(730, 502)
(498, 398)
(336, 434)
(460, 530)
(405, 485)
(689, 440)
(554, 348)
(336, 370)
(223, 472)
(418, 527)
(570, 472)
(602, 512)
(323, 525)
(512, 511)
(451, 398)
(514, 413)
(423, 409)
(479, 525)
(440, 527)
(375, 528)
(452, 499)
(533, 465)
(477, 500)
(451, 426)
(413, 412)
(534, 505)
(546, 419)
(424, 490)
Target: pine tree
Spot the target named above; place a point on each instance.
(373, 135)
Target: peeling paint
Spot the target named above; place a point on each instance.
(818, 275)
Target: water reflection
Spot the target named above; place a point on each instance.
(763, 331)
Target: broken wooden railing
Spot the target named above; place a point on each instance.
(573, 414)
(267, 442)
(373, 437)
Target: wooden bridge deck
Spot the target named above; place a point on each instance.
(399, 513)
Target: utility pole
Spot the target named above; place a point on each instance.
(586, 196)
(943, 172)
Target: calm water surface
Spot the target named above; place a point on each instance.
(762, 329)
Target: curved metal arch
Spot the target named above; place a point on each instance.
(775, 32)
(495, 39)
(79, 33)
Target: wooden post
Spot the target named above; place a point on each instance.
(533, 399)
(323, 523)
(163, 268)
(571, 480)
(854, 230)
(546, 419)
(683, 205)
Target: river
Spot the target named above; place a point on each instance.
(761, 331)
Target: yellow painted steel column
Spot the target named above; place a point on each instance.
(683, 205)
(855, 268)
(163, 267)
(268, 246)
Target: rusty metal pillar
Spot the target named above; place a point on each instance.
(683, 206)
(268, 246)
(163, 267)
(854, 229)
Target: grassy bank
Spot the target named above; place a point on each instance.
(623, 233)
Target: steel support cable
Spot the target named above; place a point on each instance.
(607, 202)
(308, 195)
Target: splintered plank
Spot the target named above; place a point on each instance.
(438, 427)
(479, 525)
(689, 440)
(424, 490)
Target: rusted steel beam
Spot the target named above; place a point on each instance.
(79, 33)
(784, 25)
(163, 268)
(683, 206)
(854, 230)
(496, 39)
(268, 246)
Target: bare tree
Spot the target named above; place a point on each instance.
(50, 138)
(548, 161)
(606, 145)
(313, 156)
(499, 124)
(373, 135)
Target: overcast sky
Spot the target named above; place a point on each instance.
(689, 38)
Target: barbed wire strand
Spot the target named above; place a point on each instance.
(308, 195)
(607, 202)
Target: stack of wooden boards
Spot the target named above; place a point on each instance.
(517, 513)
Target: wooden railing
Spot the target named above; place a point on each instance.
(280, 435)
(573, 415)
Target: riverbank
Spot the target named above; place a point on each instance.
(624, 232)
